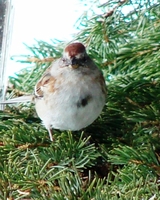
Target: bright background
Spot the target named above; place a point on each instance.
(45, 20)
(41, 20)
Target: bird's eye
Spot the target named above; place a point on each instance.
(84, 59)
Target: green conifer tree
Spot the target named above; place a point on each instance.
(120, 158)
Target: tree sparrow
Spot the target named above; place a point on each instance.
(71, 93)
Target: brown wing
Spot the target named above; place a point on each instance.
(103, 84)
(47, 80)
(41, 83)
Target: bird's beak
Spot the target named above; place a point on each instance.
(74, 63)
(73, 66)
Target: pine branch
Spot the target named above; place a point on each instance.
(119, 159)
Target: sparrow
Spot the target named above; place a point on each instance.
(71, 93)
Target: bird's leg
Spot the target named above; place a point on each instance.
(50, 134)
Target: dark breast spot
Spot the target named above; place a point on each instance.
(84, 101)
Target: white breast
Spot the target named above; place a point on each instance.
(76, 103)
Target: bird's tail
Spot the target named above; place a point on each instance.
(21, 99)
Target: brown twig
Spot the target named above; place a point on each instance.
(27, 145)
(38, 60)
(110, 13)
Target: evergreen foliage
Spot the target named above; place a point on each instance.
(118, 156)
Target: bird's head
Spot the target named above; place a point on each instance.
(74, 55)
